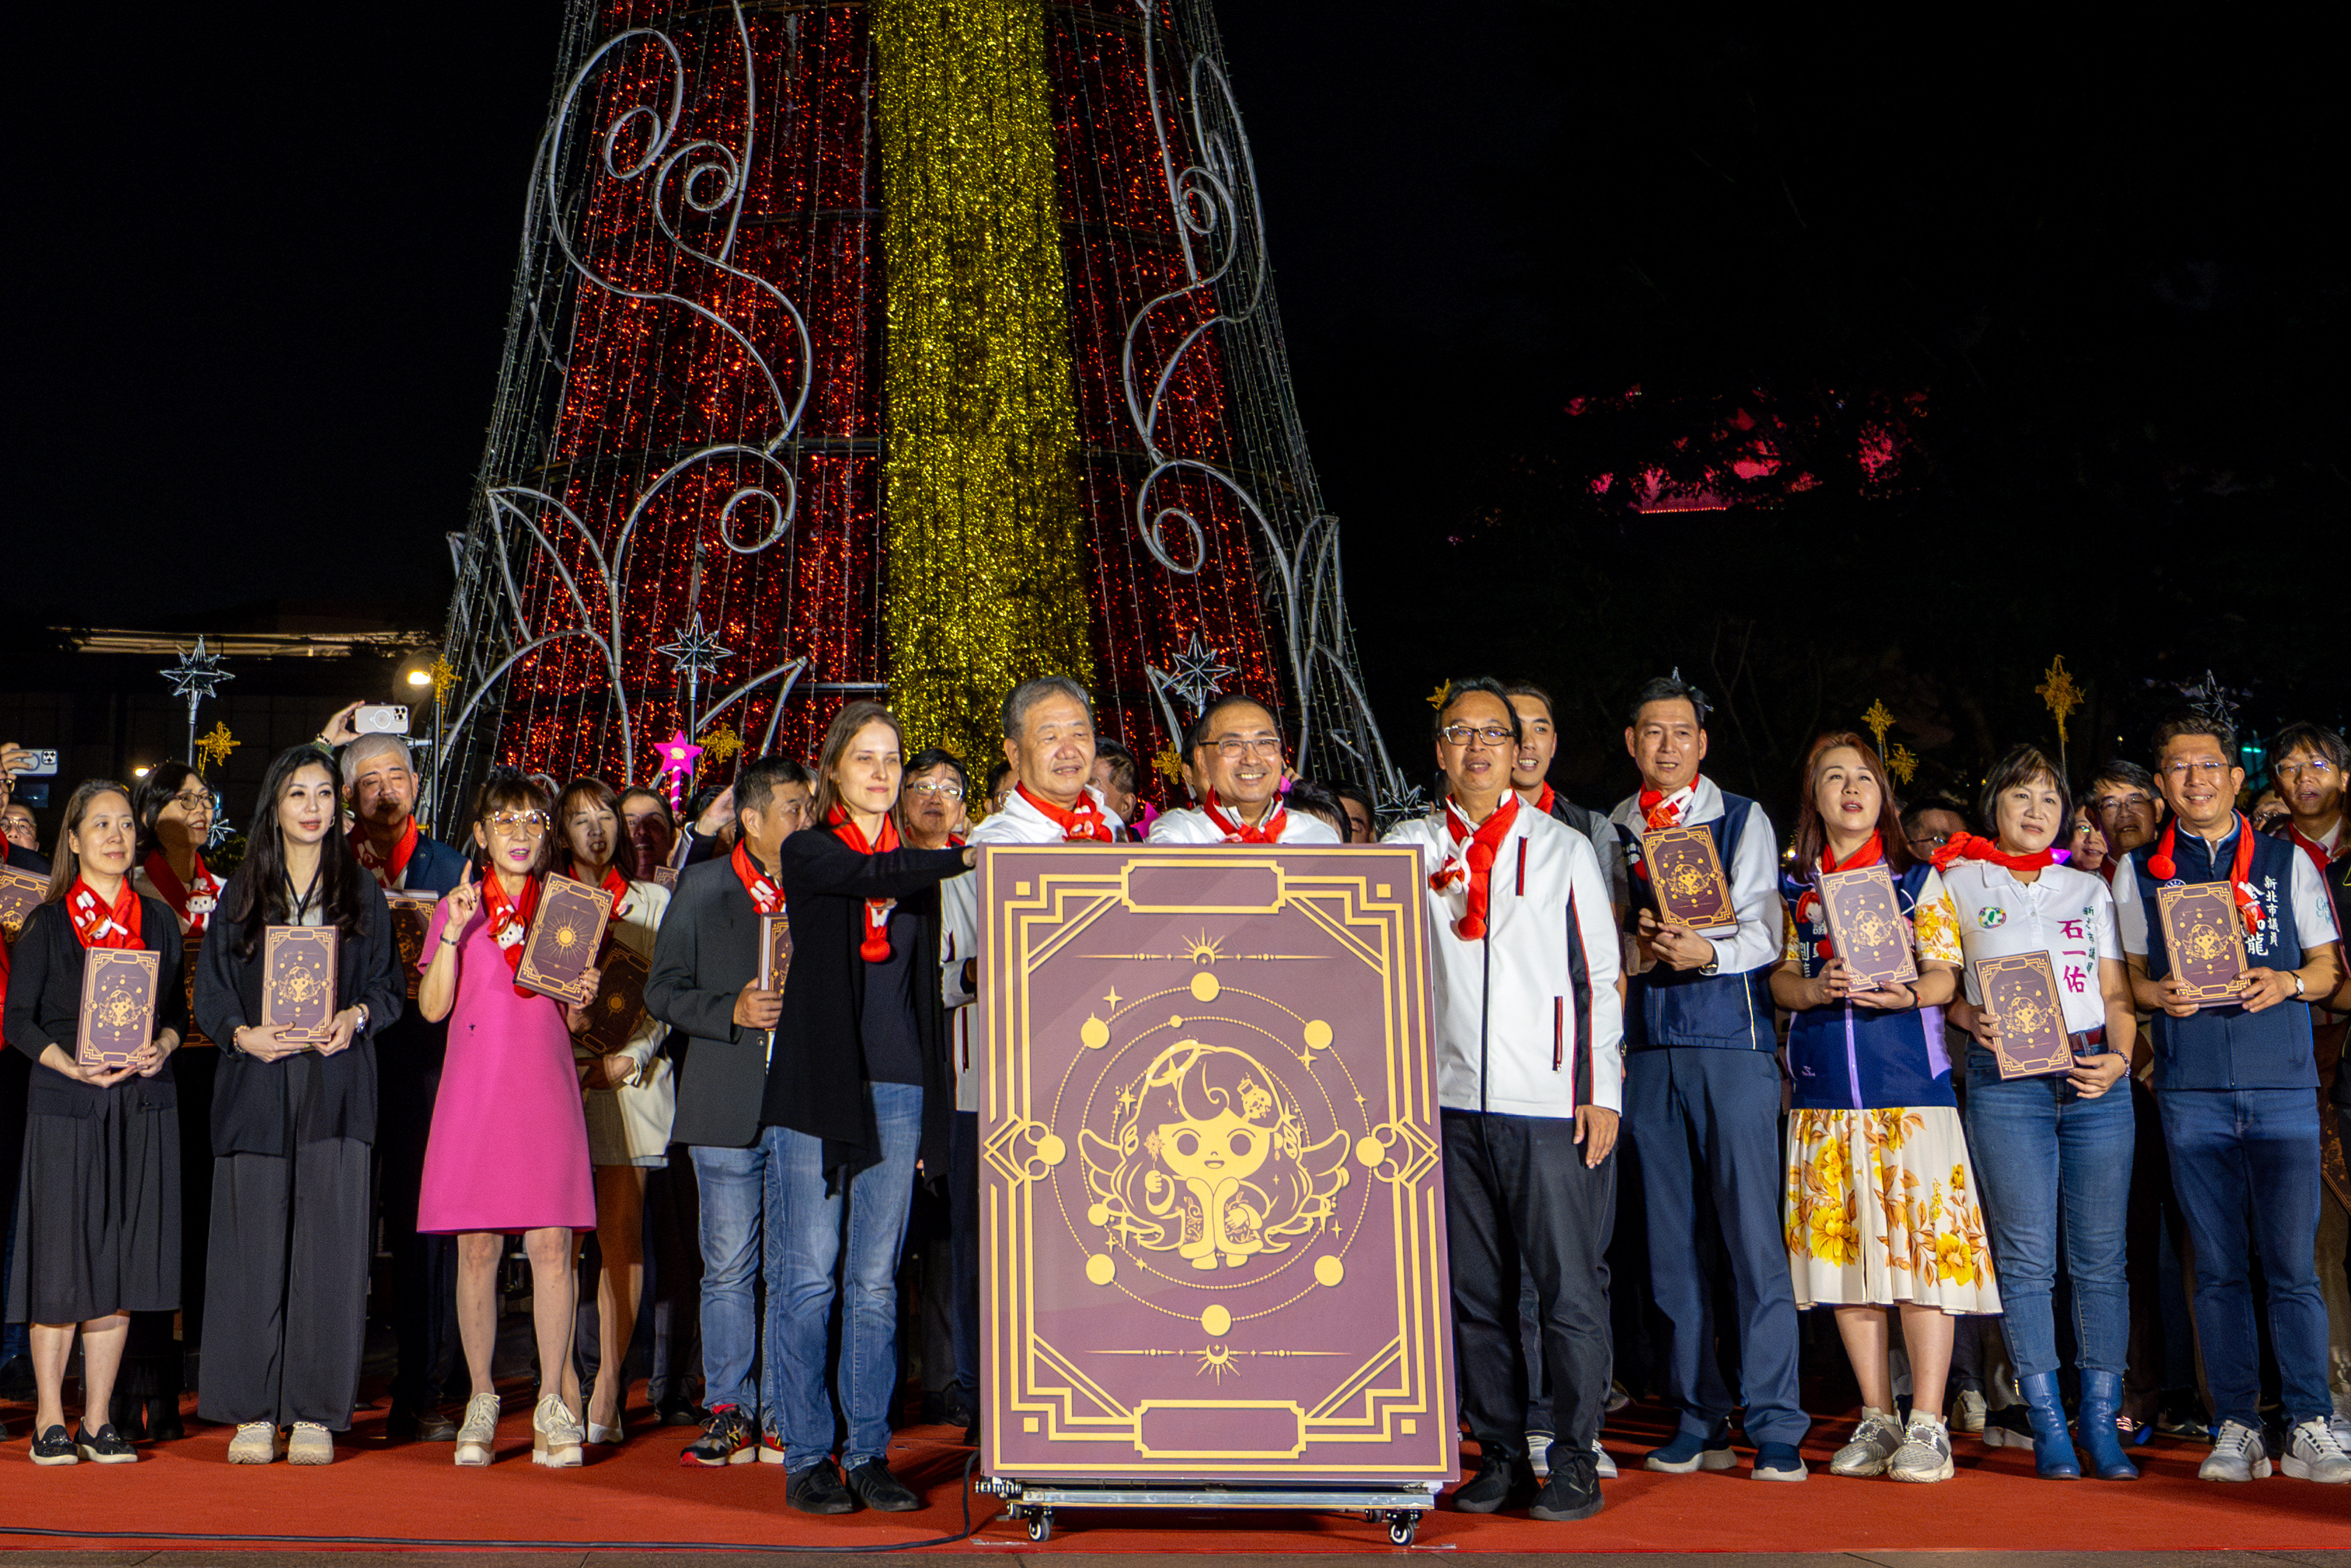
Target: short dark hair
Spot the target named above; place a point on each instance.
(1198, 733)
(932, 757)
(156, 791)
(1924, 804)
(1320, 804)
(757, 781)
(1122, 772)
(2192, 723)
(2316, 737)
(1036, 689)
(1666, 689)
(1456, 690)
(2022, 765)
(660, 800)
(1359, 794)
(1529, 689)
(2123, 771)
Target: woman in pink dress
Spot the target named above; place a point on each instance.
(509, 1152)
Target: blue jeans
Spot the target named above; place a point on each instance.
(733, 1188)
(2041, 1151)
(807, 1246)
(963, 1212)
(2254, 1152)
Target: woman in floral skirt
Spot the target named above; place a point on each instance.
(1883, 1207)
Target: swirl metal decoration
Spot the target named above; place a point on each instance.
(1211, 184)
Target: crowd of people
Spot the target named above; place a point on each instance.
(2069, 1260)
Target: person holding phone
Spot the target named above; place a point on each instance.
(1882, 1202)
(21, 849)
(292, 1129)
(2055, 1144)
(97, 1212)
(508, 1152)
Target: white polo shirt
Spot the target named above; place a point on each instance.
(2066, 913)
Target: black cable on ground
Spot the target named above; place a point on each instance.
(969, 1530)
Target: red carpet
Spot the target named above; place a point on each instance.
(640, 1493)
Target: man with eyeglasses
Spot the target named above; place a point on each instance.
(2308, 775)
(23, 852)
(1930, 822)
(1702, 1094)
(1236, 749)
(2234, 1085)
(380, 792)
(1523, 961)
(2129, 808)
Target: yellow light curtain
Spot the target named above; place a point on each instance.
(985, 539)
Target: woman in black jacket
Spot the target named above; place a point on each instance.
(857, 1092)
(98, 1214)
(286, 1296)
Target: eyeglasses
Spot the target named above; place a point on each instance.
(2318, 767)
(942, 791)
(1232, 746)
(194, 801)
(2207, 768)
(1930, 841)
(2112, 804)
(1493, 735)
(529, 823)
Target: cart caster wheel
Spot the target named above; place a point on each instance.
(1040, 1524)
(1402, 1527)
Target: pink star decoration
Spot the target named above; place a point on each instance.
(678, 755)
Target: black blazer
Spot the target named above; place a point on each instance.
(412, 1051)
(818, 1084)
(250, 1113)
(45, 972)
(708, 951)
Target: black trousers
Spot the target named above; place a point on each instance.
(286, 1296)
(1519, 1203)
(673, 1279)
(424, 1268)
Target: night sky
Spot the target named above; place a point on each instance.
(261, 272)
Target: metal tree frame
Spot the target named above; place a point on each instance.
(1212, 190)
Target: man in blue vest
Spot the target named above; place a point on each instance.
(2236, 1087)
(1702, 1102)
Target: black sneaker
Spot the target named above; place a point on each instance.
(727, 1438)
(419, 1423)
(1573, 1489)
(54, 1448)
(878, 1489)
(818, 1489)
(677, 1410)
(1502, 1480)
(105, 1447)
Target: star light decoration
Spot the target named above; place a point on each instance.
(1877, 721)
(445, 676)
(221, 830)
(2058, 690)
(1903, 764)
(1436, 698)
(2211, 698)
(216, 746)
(198, 675)
(694, 651)
(678, 755)
(1168, 764)
(721, 744)
(1198, 674)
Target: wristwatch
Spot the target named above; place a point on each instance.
(2301, 987)
(361, 1007)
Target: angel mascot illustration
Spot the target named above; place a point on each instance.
(1211, 1160)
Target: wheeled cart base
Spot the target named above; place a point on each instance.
(1400, 1506)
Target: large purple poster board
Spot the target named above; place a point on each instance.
(1210, 1191)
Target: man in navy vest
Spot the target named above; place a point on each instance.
(1702, 1102)
(2236, 1087)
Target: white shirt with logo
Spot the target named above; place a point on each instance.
(2065, 913)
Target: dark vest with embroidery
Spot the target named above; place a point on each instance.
(2227, 1047)
(1669, 1007)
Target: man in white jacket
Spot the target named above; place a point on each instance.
(1049, 742)
(1237, 748)
(1530, 1082)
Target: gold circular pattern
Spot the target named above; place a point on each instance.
(1369, 1150)
(1098, 1214)
(1329, 1270)
(1318, 1035)
(1094, 1034)
(1217, 1321)
(1205, 986)
(1051, 1149)
(1101, 1270)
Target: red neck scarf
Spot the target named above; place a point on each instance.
(386, 870)
(2163, 868)
(1660, 810)
(2311, 847)
(1542, 802)
(1269, 830)
(100, 924)
(510, 919)
(1473, 860)
(766, 897)
(875, 948)
(1081, 823)
(193, 904)
(1965, 846)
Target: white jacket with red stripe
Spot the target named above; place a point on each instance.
(1511, 1008)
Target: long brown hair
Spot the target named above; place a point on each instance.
(593, 791)
(1812, 833)
(67, 866)
(852, 718)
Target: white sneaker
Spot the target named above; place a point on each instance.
(1926, 1451)
(312, 1444)
(2314, 1452)
(256, 1443)
(479, 1434)
(1872, 1444)
(2237, 1455)
(1601, 1464)
(1971, 1409)
(556, 1434)
(1538, 1452)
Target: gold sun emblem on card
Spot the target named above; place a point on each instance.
(566, 938)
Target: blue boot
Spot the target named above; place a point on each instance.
(2101, 1398)
(2053, 1450)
